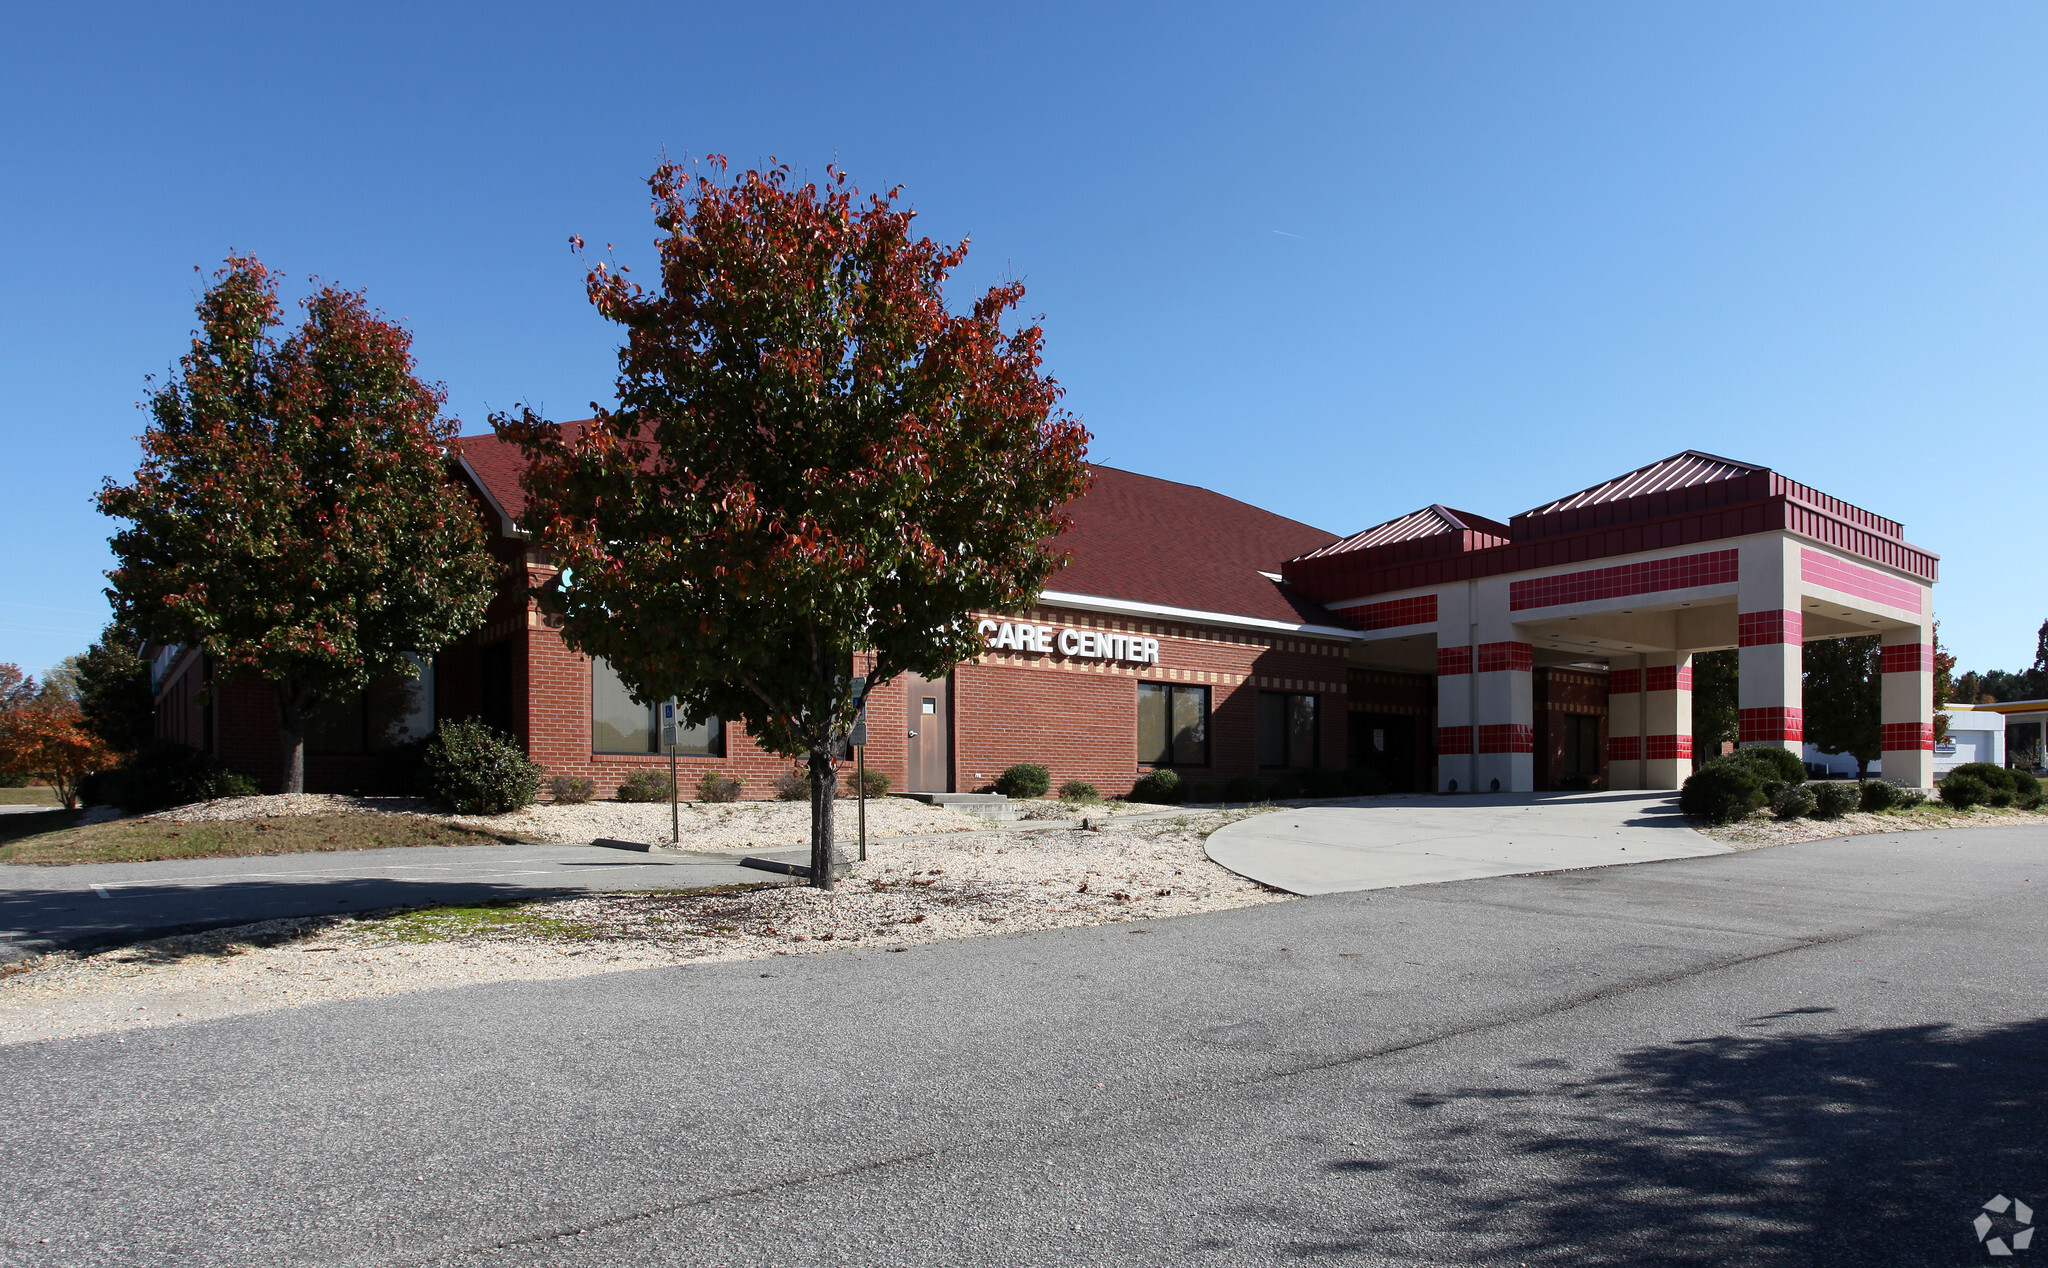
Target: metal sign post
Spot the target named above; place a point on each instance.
(859, 739)
(675, 794)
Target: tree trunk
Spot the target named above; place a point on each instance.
(824, 789)
(291, 722)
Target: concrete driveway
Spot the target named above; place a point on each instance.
(1393, 841)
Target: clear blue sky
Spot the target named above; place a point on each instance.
(1337, 261)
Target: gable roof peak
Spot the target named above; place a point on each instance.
(1686, 469)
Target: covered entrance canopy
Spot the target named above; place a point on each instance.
(1631, 578)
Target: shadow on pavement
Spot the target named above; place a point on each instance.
(1849, 1147)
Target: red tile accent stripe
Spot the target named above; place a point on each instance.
(1773, 725)
(1509, 657)
(1623, 748)
(1417, 609)
(1507, 737)
(1669, 678)
(1453, 660)
(1907, 658)
(1715, 567)
(1906, 737)
(1453, 740)
(1865, 583)
(1667, 747)
(1779, 625)
(1624, 682)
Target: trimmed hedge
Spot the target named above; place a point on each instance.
(1024, 781)
(1159, 788)
(714, 786)
(1960, 791)
(571, 790)
(1833, 798)
(2004, 787)
(1793, 802)
(1722, 790)
(477, 770)
(647, 785)
(874, 782)
(1079, 790)
(1876, 795)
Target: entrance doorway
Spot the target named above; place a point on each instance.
(929, 716)
(1384, 743)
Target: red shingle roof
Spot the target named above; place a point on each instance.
(1135, 538)
(1140, 538)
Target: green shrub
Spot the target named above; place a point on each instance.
(1781, 764)
(164, 773)
(1878, 795)
(1993, 777)
(2007, 787)
(1722, 791)
(791, 786)
(571, 790)
(1024, 781)
(1793, 802)
(1960, 792)
(1834, 798)
(1245, 788)
(1079, 790)
(716, 786)
(875, 782)
(477, 770)
(1904, 798)
(647, 785)
(1159, 788)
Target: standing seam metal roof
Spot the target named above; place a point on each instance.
(1680, 471)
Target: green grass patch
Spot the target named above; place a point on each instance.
(55, 838)
(508, 918)
(28, 797)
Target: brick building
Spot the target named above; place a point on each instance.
(1443, 650)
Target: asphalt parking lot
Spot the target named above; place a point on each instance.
(1824, 1053)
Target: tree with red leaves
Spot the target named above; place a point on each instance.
(48, 739)
(294, 515)
(811, 458)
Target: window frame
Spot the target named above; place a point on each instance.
(1171, 689)
(714, 741)
(1315, 758)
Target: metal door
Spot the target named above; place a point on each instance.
(929, 715)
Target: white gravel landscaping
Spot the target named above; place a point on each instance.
(914, 891)
(729, 827)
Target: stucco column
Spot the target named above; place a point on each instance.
(1908, 711)
(1504, 730)
(1503, 694)
(1667, 719)
(1454, 772)
(1770, 633)
(1625, 723)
